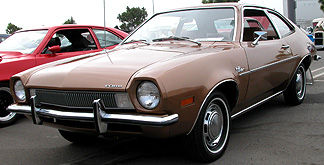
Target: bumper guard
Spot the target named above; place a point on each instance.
(99, 116)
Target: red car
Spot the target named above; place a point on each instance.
(29, 48)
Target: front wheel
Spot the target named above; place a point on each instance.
(6, 117)
(209, 138)
(296, 90)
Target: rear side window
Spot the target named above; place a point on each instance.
(283, 27)
(106, 38)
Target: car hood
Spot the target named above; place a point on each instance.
(9, 55)
(112, 70)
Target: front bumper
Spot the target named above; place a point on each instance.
(319, 46)
(99, 116)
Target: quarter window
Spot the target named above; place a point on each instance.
(106, 38)
(283, 28)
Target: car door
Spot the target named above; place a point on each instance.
(72, 42)
(269, 59)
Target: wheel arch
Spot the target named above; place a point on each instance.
(229, 88)
(306, 61)
(4, 84)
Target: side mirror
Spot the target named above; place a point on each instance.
(54, 49)
(259, 35)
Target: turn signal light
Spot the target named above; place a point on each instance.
(186, 101)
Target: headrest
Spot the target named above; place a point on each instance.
(54, 41)
(81, 43)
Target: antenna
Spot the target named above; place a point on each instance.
(153, 6)
(104, 1)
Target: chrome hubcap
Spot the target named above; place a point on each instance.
(300, 84)
(213, 125)
(5, 101)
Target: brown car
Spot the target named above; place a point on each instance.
(183, 72)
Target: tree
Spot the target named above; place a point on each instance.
(11, 28)
(70, 21)
(132, 18)
(217, 1)
(322, 4)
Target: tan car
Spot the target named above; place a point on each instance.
(186, 72)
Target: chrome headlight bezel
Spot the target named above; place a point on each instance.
(148, 95)
(19, 90)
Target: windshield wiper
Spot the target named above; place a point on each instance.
(141, 40)
(176, 38)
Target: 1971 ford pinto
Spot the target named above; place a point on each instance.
(186, 72)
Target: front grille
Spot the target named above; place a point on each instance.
(320, 35)
(73, 99)
(319, 38)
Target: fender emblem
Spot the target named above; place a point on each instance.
(113, 86)
(239, 69)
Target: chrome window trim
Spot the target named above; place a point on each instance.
(265, 10)
(283, 19)
(236, 10)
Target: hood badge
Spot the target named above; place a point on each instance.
(113, 86)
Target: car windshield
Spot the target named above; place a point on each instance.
(215, 24)
(25, 42)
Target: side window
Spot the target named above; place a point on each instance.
(283, 28)
(257, 20)
(225, 27)
(71, 40)
(110, 40)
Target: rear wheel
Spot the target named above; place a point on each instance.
(296, 90)
(209, 138)
(6, 117)
(78, 137)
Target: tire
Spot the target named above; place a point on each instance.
(209, 138)
(296, 90)
(6, 118)
(75, 137)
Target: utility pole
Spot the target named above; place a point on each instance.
(291, 5)
(153, 6)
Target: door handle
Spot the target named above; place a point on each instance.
(284, 46)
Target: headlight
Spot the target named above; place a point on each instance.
(148, 95)
(19, 90)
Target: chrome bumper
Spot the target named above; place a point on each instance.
(99, 116)
(319, 46)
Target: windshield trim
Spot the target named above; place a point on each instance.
(189, 9)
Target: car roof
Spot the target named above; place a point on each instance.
(212, 5)
(53, 28)
(66, 26)
(4, 35)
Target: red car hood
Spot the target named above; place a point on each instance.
(10, 55)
